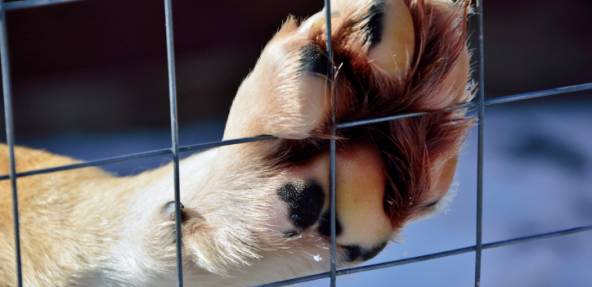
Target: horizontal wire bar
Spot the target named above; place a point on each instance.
(537, 237)
(495, 101)
(501, 100)
(539, 94)
(97, 162)
(379, 120)
(134, 156)
(196, 147)
(33, 3)
(431, 256)
(466, 249)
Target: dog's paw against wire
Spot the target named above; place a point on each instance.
(389, 57)
(259, 212)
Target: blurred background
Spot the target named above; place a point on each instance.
(90, 81)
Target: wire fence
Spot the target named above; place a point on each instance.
(176, 149)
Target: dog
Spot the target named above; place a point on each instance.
(258, 212)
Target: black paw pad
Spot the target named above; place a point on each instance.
(325, 225)
(374, 26)
(305, 202)
(314, 60)
(357, 253)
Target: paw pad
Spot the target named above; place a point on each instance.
(305, 202)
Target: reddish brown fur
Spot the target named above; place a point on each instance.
(409, 146)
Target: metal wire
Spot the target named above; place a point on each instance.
(481, 127)
(495, 101)
(7, 93)
(203, 146)
(332, 148)
(168, 12)
(175, 150)
(539, 94)
(33, 3)
(431, 256)
(141, 155)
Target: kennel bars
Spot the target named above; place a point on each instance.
(176, 149)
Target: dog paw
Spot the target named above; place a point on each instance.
(389, 57)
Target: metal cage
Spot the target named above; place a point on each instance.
(175, 149)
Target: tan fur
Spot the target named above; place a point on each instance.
(85, 227)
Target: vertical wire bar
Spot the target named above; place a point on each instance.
(174, 134)
(481, 127)
(10, 139)
(333, 272)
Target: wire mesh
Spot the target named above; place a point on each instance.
(32, 3)
(332, 147)
(481, 127)
(10, 139)
(174, 135)
(175, 150)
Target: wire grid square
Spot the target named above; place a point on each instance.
(176, 149)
